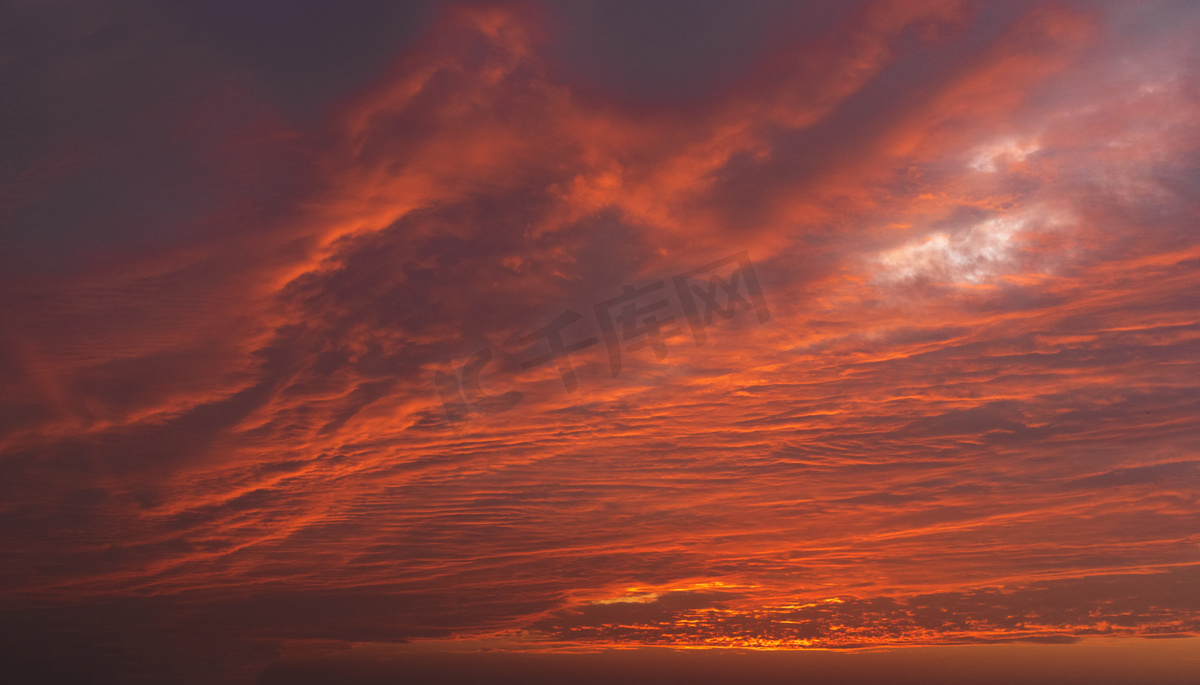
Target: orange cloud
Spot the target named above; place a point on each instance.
(968, 417)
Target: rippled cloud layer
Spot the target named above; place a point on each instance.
(970, 415)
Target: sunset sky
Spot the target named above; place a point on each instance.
(375, 342)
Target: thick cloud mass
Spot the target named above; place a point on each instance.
(268, 345)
